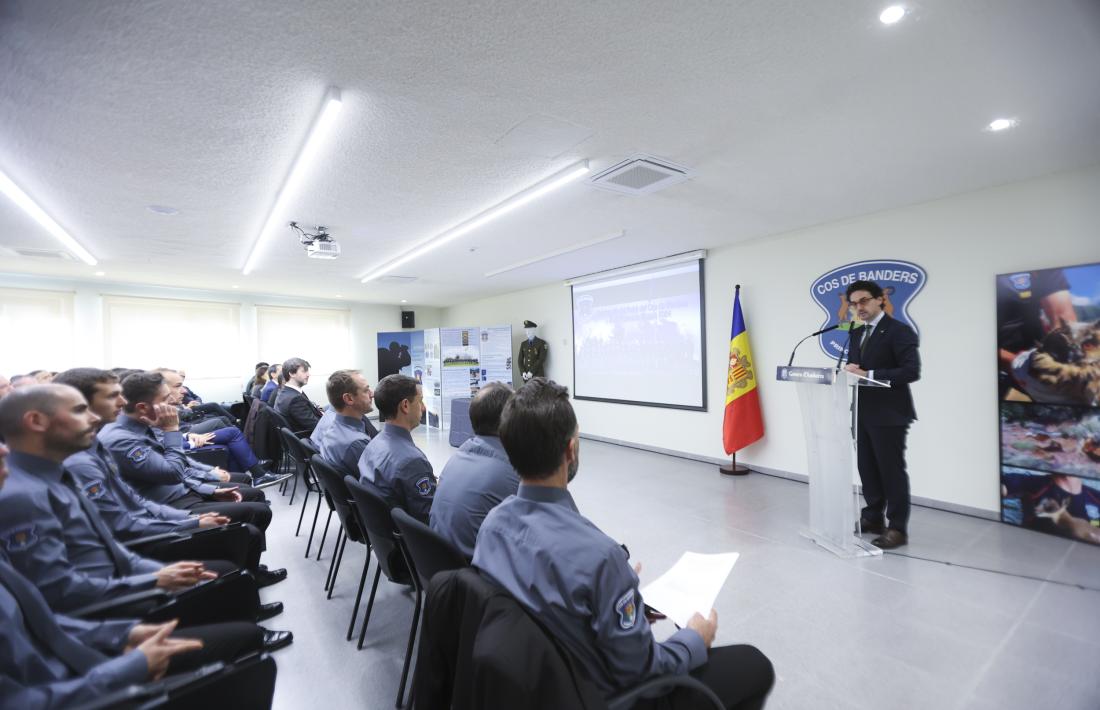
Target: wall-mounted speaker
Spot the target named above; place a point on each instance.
(408, 319)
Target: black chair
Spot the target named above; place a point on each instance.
(430, 551)
(299, 462)
(332, 481)
(374, 515)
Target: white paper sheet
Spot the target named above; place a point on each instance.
(692, 585)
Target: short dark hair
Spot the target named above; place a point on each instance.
(85, 379)
(536, 427)
(42, 398)
(391, 391)
(486, 406)
(273, 370)
(260, 364)
(141, 386)
(340, 383)
(869, 286)
(293, 365)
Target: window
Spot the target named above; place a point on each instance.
(37, 330)
(320, 336)
(201, 337)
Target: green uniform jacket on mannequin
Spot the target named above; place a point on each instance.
(532, 358)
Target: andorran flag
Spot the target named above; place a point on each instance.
(743, 423)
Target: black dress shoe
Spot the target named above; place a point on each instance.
(266, 611)
(274, 640)
(266, 577)
(866, 526)
(890, 539)
(270, 479)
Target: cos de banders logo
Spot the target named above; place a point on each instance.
(901, 281)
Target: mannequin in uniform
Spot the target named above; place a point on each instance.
(532, 353)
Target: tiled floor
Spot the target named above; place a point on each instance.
(889, 633)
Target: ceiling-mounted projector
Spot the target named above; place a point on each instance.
(319, 245)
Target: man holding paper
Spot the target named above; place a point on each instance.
(578, 581)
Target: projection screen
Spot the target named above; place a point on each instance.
(638, 337)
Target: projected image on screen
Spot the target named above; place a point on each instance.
(638, 338)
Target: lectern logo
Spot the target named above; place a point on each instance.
(901, 281)
(740, 372)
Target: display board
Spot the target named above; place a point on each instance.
(432, 382)
(638, 337)
(1048, 360)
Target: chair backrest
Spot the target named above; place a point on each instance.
(332, 483)
(374, 514)
(430, 551)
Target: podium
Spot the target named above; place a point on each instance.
(828, 402)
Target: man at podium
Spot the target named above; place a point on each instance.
(883, 349)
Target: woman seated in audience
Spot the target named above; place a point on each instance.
(259, 381)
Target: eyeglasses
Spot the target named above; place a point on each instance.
(861, 302)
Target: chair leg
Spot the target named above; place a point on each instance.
(313, 528)
(302, 515)
(293, 491)
(334, 563)
(321, 547)
(359, 595)
(370, 605)
(409, 649)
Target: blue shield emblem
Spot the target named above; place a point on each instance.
(424, 486)
(20, 538)
(901, 281)
(627, 610)
(1020, 282)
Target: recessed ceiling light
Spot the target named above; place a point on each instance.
(1001, 124)
(404, 300)
(162, 209)
(101, 273)
(892, 15)
(339, 296)
(236, 286)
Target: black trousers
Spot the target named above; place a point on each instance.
(240, 545)
(880, 455)
(232, 598)
(254, 513)
(741, 676)
(220, 642)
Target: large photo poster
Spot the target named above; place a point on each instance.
(1048, 363)
(460, 350)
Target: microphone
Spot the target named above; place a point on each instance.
(847, 346)
(826, 330)
(846, 325)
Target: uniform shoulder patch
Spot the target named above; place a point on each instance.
(138, 454)
(424, 486)
(20, 538)
(627, 611)
(94, 490)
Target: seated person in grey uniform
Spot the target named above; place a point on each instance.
(56, 538)
(159, 470)
(578, 582)
(128, 514)
(478, 477)
(327, 418)
(52, 660)
(342, 443)
(292, 403)
(391, 463)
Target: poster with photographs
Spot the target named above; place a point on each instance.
(1048, 365)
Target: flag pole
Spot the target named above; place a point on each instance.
(733, 468)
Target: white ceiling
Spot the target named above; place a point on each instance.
(792, 113)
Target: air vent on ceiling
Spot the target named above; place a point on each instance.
(56, 254)
(641, 175)
(398, 279)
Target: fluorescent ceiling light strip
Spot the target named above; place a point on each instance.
(558, 252)
(322, 126)
(552, 183)
(9, 188)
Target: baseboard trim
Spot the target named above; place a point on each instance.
(946, 506)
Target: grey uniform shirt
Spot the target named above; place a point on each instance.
(160, 471)
(343, 442)
(127, 513)
(32, 675)
(474, 481)
(579, 583)
(50, 538)
(399, 471)
(326, 420)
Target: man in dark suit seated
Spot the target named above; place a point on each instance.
(292, 403)
(883, 349)
(478, 477)
(578, 582)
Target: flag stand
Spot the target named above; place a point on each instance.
(733, 468)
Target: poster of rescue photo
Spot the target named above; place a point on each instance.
(1048, 368)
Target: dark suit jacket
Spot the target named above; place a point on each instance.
(892, 352)
(298, 410)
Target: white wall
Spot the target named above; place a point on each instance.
(962, 242)
(365, 321)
